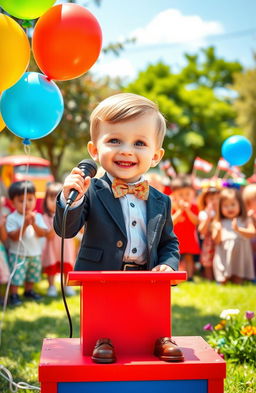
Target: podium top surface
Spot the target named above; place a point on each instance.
(81, 277)
(62, 360)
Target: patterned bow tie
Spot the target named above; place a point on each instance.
(140, 190)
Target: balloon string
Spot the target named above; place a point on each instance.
(21, 245)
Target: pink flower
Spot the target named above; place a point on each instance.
(249, 315)
(208, 327)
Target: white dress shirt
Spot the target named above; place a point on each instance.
(135, 218)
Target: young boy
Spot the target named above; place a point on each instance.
(128, 225)
(25, 254)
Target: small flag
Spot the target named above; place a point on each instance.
(171, 172)
(202, 165)
(223, 164)
(234, 170)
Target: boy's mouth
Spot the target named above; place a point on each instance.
(125, 164)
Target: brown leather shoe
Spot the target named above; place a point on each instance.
(104, 351)
(166, 349)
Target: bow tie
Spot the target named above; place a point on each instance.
(140, 190)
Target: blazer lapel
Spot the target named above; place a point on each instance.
(155, 207)
(111, 204)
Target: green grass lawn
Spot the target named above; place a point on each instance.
(194, 305)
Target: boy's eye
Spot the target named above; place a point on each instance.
(140, 143)
(114, 140)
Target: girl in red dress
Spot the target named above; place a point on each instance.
(185, 220)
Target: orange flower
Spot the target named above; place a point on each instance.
(248, 331)
(218, 327)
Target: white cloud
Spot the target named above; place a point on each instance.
(121, 67)
(172, 27)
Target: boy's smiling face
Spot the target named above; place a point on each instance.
(127, 149)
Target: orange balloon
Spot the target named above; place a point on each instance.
(66, 42)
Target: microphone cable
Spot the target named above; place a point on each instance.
(63, 230)
(89, 168)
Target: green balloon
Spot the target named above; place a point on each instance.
(26, 9)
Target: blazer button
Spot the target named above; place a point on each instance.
(119, 244)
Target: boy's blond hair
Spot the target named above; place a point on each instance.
(249, 193)
(123, 107)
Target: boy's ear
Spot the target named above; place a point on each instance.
(92, 150)
(157, 157)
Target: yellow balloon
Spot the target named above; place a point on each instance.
(2, 125)
(14, 52)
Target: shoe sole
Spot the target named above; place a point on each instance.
(102, 361)
(172, 359)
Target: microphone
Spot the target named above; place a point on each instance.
(90, 169)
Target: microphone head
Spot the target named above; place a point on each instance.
(88, 166)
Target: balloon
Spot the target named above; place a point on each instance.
(237, 150)
(14, 52)
(26, 9)
(66, 41)
(33, 107)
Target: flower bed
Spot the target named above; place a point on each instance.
(234, 337)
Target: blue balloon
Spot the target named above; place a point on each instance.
(237, 150)
(33, 107)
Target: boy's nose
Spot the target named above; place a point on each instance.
(126, 150)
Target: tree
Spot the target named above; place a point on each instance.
(245, 105)
(196, 104)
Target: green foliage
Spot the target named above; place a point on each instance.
(196, 103)
(245, 104)
(234, 337)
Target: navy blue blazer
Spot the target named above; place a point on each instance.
(105, 239)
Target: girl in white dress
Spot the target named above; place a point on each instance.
(232, 229)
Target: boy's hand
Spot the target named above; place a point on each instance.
(76, 181)
(162, 268)
(29, 218)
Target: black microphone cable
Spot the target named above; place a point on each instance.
(90, 169)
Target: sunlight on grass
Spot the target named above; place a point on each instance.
(194, 305)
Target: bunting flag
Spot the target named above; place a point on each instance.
(202, 165)
(223, 164)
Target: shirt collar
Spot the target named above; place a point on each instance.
(111, 178)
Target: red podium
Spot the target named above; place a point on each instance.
(133, 309)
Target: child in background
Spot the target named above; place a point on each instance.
(52, 250)
(249, 197)
(24, 254)
(231, 232)
(185, 220)
(208, 204)
(4, 269)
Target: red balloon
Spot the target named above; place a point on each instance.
(66, 41)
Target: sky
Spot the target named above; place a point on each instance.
(165, 30)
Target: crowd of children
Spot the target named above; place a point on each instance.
(29, 244)
(216, 229)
